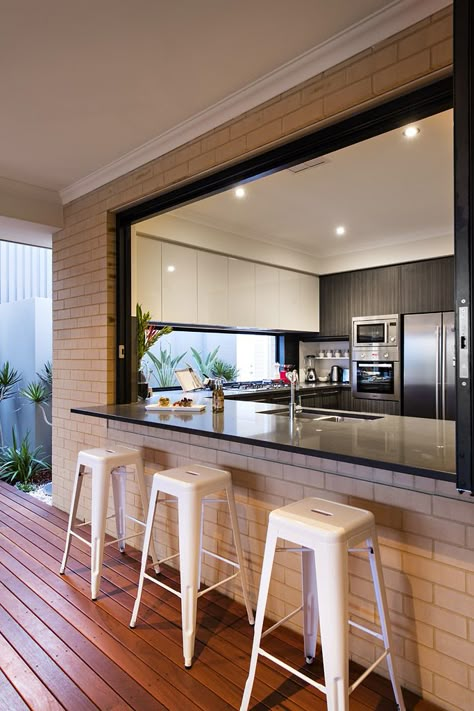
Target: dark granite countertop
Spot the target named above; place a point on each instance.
(406, 444)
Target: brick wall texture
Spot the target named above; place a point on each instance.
(426, 530)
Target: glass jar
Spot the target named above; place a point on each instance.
(218, 396)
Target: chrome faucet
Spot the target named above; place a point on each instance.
(293, 378)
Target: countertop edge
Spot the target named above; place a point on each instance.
(387, 466)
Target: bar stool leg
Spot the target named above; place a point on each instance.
(267, 566)
(310, 604)
(240, 555)
(146, 546)
(100, 495)
(332, 575)
(201, 536)
(76, 492)
(189, 526)
(145, 506)
(381, 597)
(119, 480)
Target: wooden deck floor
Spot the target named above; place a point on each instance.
(59, 650)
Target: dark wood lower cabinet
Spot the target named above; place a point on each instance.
(330, 399)
(378, 407)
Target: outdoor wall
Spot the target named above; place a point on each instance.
(25, 342)
(428, 535)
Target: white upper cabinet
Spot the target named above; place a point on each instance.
(147, 277)
(179, 284)
(289, 299)
(212, 289)
(299, 301)
(267, 297)
(241, 293)
(309, 302)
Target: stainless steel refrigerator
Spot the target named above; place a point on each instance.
(429, 366)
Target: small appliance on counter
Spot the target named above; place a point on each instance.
(336, 374)
(284, 370)
(346, 378)
(310, 371)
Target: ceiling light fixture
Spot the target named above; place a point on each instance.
(411, 131)
(239, 192)
(171, 268)
(341, 230)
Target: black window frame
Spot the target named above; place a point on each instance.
(387, 115)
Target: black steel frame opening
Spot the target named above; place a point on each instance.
(388, 115)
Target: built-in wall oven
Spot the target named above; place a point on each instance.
(375, 361)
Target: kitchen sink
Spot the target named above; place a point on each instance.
(308, 413)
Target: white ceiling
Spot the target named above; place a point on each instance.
(83, 83)
(388, 191)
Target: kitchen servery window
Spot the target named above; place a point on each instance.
(233, 356)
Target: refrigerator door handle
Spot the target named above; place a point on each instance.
(437, 373)
(443, 372)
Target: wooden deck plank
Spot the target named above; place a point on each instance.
(217, 658)
(156, 673)
(84, 587)
(99, 675)
(17, 679)
(144, 664)
(59, 684)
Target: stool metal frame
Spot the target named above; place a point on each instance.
(324, 532)
(191, 486)
(104, 466)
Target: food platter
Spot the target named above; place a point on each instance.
(175, 408)
(184, 405)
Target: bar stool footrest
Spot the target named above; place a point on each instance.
(292, 670)
(280, 622)
(368, 671)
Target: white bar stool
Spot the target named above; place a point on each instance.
(190, 486)
(104, 465)
(326, 532)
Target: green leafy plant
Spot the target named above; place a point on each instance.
(38, 394)
(163, 366)
(221, 369)
(205, 363)
(46, 376)
(19, 464)
(9, 378)
(147, 334)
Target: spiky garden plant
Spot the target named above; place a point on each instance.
(9, 378)
(204, 363)
(164, 366)
(19, 464)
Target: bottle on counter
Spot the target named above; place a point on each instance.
(218, 396)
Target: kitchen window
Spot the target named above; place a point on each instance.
(237, 357)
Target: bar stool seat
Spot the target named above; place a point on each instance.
(324, 532)
(190, 486)
(104, 466)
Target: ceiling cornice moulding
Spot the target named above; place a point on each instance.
(377, 27)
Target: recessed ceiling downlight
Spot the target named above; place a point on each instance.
(171, 268)
(340, 230)
(239, 192)
(411, 131)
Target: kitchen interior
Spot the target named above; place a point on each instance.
(357, 290)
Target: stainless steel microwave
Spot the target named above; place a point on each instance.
(375, 331)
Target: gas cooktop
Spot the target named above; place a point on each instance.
(255, 385)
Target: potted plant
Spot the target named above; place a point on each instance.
(147, 336)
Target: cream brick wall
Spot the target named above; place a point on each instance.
(427, 537)
(425, 530)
